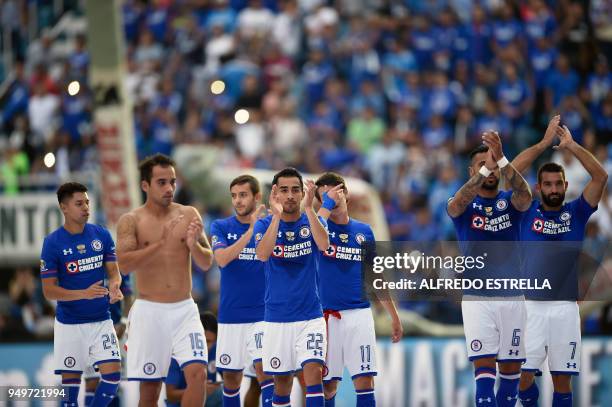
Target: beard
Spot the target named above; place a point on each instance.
(490, 185)
(291, 208)
(245, 211)
(554, 199)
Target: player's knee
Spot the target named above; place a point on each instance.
(90, 385)
(232, 380)
(149, 391)
(363, 382)
(330, 388)
(526, 380)
(195, 374)
(562, 383)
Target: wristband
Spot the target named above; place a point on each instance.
(484, 171)
(502, 162)
(328, 203)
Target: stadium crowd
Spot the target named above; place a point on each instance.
(394, 92)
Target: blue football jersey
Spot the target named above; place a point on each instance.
(291, 272)
(242, 280)
(491, 222)
(77, 260)
(340, 276)
(552, 243)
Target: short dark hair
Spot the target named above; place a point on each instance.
(146, 165)
(480, 149)
(209, 321)
(329, 179)
(66, 190)
(288, 172)
(550, 167)
(246, 179)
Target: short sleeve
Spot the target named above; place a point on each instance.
(217, 236)
(259, 230)
(582, 208)
(110, 254)
(48, 260)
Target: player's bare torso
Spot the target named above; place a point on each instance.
(166, 276)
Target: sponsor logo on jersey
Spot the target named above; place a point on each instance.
(478, 222)
(67, 251)
(538, 225)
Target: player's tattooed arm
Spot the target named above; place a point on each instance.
(196, 241)
(129, 257)
(466, 194)
(521, 193)
(523, 161)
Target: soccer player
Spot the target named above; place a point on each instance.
(175, 381)
(351, 339)
(73, 263)
(553, 326)
(157, 241)
(118, 311)
(294, 329)
(493, 327)
(241, 304)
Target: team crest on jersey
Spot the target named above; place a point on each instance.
(225, 359)
(488, 210)
(258, 237)
(290, 235)
(96, 245)
(304, 232)
(360, 238)
(537, 225)
(478, 222)
(69, 361)
(149, 368)
(275, 363)
(72, 267)
(565, 216)
(81, 248)
(476, 345)
(343, 237)
(501, 204)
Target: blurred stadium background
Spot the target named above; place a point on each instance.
(391, 92)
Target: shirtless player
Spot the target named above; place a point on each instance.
(157, 241)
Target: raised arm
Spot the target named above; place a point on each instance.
(466, 194)
(197, 243)
(266, 244)
(319, 233)
(599, 177)
(521, 194)
(225, 255)
(525, 159)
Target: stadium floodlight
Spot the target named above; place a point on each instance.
(241, 116)
(217, 87)
(49, 160)
(73, 88)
